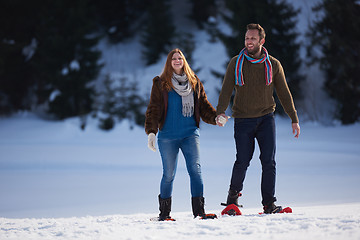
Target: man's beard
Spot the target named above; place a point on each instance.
(254, 50)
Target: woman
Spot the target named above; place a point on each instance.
(177, 102)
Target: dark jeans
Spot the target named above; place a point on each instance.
(246, 130)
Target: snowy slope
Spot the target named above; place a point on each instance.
(321, 222)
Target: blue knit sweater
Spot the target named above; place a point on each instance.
(176, 125)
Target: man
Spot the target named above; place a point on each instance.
(255, 74)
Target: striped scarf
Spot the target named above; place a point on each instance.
(239, 78)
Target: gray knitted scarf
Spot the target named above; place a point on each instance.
(183, 87)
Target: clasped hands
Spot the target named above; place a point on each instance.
(221, 119)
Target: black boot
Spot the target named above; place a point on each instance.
(198, 204)
(272, 208)
(233, 197)
(165, 208)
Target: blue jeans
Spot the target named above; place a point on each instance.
(246, 130)
(169, 149)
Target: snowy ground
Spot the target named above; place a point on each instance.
(58, 182)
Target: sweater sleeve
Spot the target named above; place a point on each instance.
(153, 111)
(227, 87)
(207, 111)
(283, 92)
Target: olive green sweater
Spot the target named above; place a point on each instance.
(255, 98)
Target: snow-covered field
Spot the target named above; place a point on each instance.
(324, 222)
(59, 182)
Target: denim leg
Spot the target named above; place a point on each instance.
(190, 147)
(244, 134)
(169, 150)
(266, 138)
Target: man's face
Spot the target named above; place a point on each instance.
(253, 43)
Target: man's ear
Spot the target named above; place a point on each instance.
(262, 41)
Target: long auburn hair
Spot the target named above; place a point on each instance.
(168, 71)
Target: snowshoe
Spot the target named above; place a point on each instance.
(272, 209)
(159, 219)
(209, 216)
(231, 210)
(286, 210)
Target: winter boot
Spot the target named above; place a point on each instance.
(165, 208)
(233, 197)
(272, 208)
(198, 204)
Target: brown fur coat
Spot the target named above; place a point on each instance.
(157, 108)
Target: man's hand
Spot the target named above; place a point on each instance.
(151, 142)
(221, 119)
(296, 129)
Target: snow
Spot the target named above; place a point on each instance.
(65, 71)
(307, 223)
(54, 94)
(29, 50)
(59, 182)
(74, 65)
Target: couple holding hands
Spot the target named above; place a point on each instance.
(178, 101)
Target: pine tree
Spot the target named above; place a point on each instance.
(119, 20)
(337, 34)
(65, 62)
(201, 10)
(159, 31)
(51, 56)
(120, 100)
(278, 18)
(17, 46)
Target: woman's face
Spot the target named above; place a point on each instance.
(177, 63)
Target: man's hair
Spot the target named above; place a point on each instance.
(256, 26)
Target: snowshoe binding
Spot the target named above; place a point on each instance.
(272, 209)
(159, 219)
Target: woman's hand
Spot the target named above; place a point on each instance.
(151, 142)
